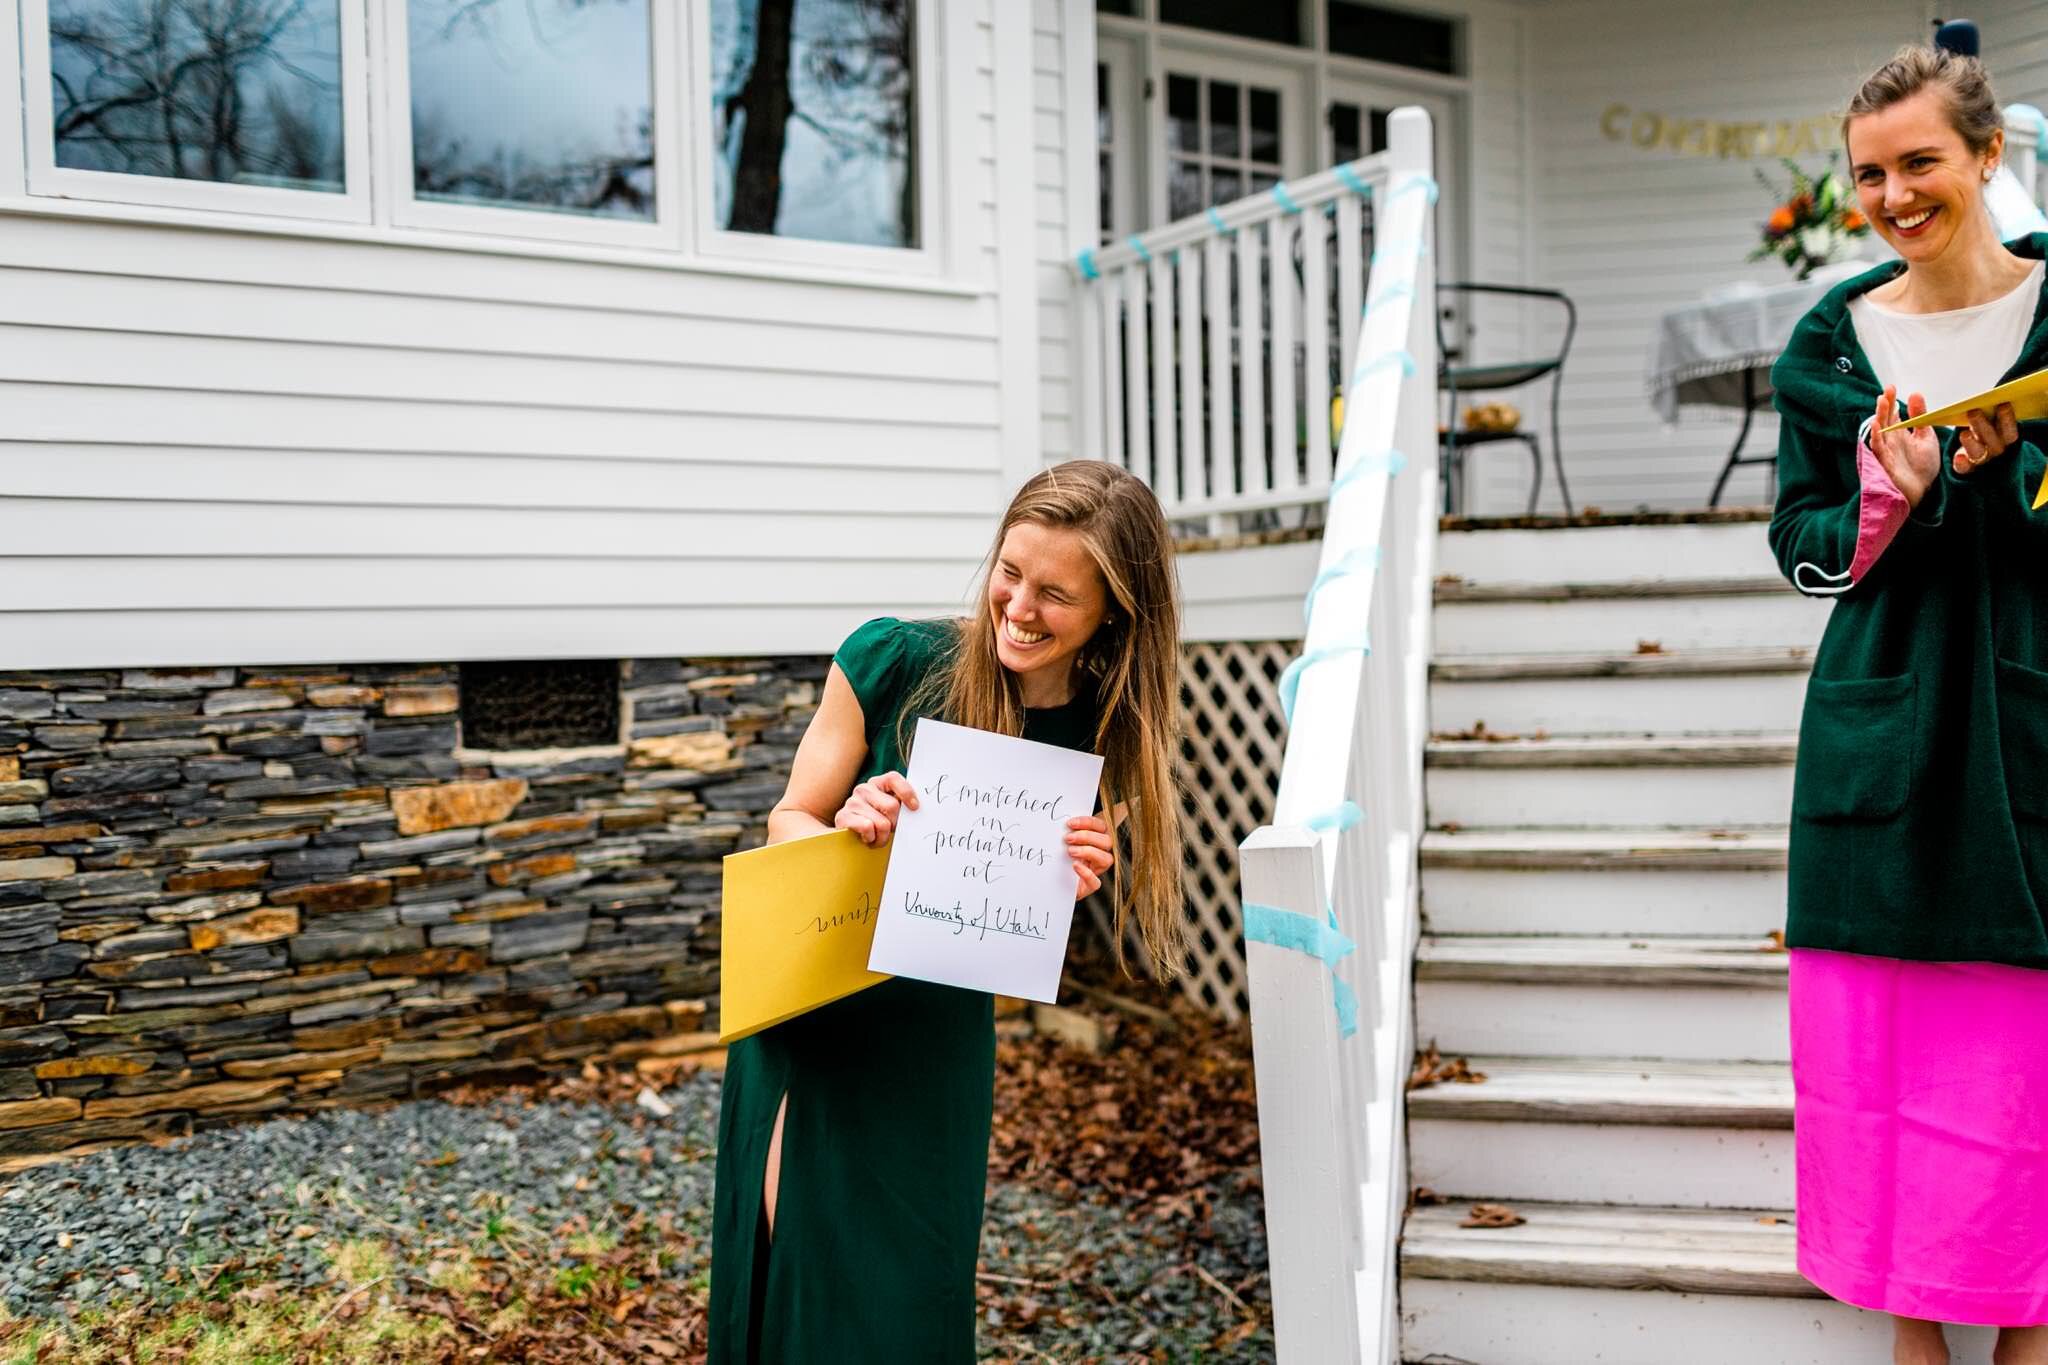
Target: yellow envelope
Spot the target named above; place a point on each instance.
(798, 920)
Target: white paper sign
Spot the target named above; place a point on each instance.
(980, 891)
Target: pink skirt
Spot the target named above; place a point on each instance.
(1921, 1110)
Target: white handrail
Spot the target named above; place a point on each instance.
(1347, 823)
(2025, 134)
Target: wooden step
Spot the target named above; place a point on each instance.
(1676, 615)
(1608, 1131)
(1496, 553)
(1672, 692)
(1697, 999)
(1691, 1251)
(1579, 782)
(1606, 849)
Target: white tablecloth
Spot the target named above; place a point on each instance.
(1704, 348)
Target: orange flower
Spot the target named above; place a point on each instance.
(1854, 221)
(1781, 221)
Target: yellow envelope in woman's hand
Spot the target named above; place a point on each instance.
(795, 928)
(2028, 396)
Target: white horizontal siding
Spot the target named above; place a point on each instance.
(231, 446)
(2016, 50)
(1629, 233)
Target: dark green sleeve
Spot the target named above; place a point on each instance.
(877, 663)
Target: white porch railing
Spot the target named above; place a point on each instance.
(2025, 132)
(1342, 847)
(1209, 348)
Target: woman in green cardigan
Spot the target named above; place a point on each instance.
(853, 1140)
(1918, 918)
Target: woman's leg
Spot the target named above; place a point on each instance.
(771, 1179)
(2021, 1346)
(1917, 1342)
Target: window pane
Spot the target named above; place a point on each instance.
(1183, 113)
(1391, 35)
(1344, 132)
(813, 119)
(1277, 21)
(534, 104)
(1184, 190)
(1224, 186)
(1116, 6)
(1265, 125)
(248, 92)
(1223, 118)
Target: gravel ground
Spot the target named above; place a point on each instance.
(1063, 1279)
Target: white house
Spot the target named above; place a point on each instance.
(348, 347)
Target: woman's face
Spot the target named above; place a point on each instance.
(1047, 598)
(1917, 181)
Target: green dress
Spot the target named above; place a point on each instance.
(885, 1144)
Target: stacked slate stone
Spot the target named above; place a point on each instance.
(229, 892)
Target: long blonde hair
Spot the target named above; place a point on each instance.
(1133, 663)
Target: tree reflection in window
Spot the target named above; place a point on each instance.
(243, 91)
(813, 119)
(534, 104)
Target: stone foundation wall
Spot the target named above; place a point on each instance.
(228, 892)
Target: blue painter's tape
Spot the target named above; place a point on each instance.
(1351, 180)
(1290, 678)
(1347, 1006)
(1411, 183)
(1352, 561)
(1216, 221)
(1138, 245)
(1389, 462)
(1307, 934)
(1085, 263)
(1291, 929)
(1285, 200)
(1410, 249)
(1400, 289)
(1337, 818)
(1396, 358)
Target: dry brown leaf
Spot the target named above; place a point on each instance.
(1649, 647)
(1432, 1068)
(1492, 1216)
(1777, 941)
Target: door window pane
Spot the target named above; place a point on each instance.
(1265, 125)
(1183, 113)
(248, 93)
(1236, 152)
(534, 104)
(1396, 36)
(813, 119)
(1223, 118)
(1277, 21)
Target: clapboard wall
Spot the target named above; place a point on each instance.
(226, 443)
(1630, 232)
(2016, 49)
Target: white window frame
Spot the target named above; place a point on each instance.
(669, 93)
(47, 179)
(1127, 150)
(1290, 79)
(934, 34)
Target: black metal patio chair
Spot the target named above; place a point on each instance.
(1455, 378)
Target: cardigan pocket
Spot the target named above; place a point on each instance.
(2023, 736)
(1856, 749)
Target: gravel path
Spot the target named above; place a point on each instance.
(1064, 1280)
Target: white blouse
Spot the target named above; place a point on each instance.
(1951, 355)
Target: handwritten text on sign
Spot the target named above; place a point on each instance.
(980, 891)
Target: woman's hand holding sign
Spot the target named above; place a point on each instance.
(871, 808)
(1093, 850)
(1986, 438)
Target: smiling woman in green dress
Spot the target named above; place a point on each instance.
(853, 1140)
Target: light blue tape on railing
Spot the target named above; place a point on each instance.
(1085, 263)
(1290, 677)
(1352, 561)
(1320, 939)
(1401, 252)
(1351, 180)
(1284, 199)
(1397, 358)
(1388, 462)
(1410, 183)
(1400, 289)
(1216, 221)
(1337, 818)
(1347, 1006)
(1138, 245)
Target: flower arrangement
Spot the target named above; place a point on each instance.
(1816, 224)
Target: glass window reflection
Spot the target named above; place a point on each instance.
(534, 104)
(813, 119)
(245, 93)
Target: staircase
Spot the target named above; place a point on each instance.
(1615, 712)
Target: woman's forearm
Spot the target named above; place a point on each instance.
(793, 822)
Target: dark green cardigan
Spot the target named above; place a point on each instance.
(1920, 802)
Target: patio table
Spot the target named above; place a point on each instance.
(1718, 352)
